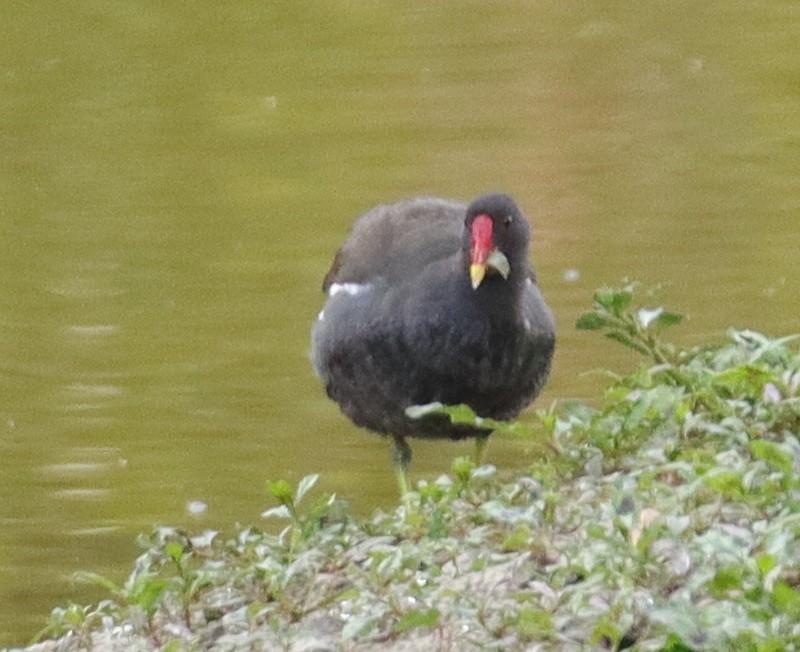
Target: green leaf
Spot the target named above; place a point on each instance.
(461, 414)
(462, 468)
(772, 645)
(787, 599)
(591, 321)
(75, 614)
(682, 622)
(533, 623)
(95, 579)
(617, 336)
(746, 379)
(604, 297)
(772, 454)
(305, 485)
(457, 413)
(174, 550)
(675, 644)
(359, 626)
(148, 594)
(727, 578)
(437, 529)
(281, 490)
(606, 629)
(669, 318)
(638, 413)
(621, 301)
(518, 539)
(417, 618)
(727, 483)
(613, 300)
(281, 511)
(766, 563)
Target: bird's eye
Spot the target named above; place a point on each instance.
(509, 220)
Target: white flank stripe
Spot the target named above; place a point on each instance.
(351, 289)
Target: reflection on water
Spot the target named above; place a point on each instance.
(175, 183)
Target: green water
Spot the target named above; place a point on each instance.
(175, 178)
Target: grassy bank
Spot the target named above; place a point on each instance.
(666, 519)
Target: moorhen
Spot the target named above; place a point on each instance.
(431, 300)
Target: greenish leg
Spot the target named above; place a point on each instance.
(480, 448)
(401, 460)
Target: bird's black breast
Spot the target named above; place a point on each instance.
(417, 344)
(495, 367)
(403, 326)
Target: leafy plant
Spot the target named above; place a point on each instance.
(665, 518)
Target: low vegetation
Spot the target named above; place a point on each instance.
(666, 519)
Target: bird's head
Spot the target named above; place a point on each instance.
(497, 236)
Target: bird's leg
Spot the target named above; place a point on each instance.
(480, 448)
(401, 460)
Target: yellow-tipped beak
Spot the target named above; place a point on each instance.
(496, 261)
(477, 271)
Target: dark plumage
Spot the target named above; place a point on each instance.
(432, 300)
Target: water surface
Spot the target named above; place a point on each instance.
(176, 177)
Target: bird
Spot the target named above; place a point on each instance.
(433, 301)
